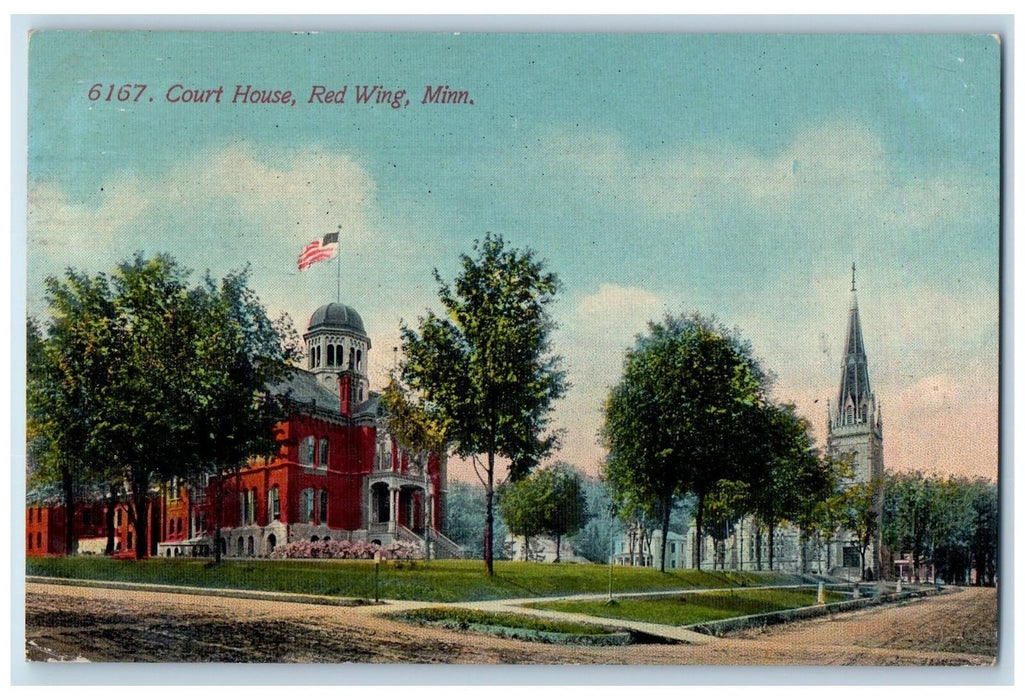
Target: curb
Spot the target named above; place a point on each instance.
(719, 628)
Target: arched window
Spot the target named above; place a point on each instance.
(314, 539)
(272, 542)
(323, 453)
(352, 358)
(330, 355)
(273, 504)
(252, 507)
(323, 506)
(306, 506)
(359, 359)
(306, 451)
(251, 548)
(179, 525)
(224, 546)
(318, 356)
(243, 508)
(240, 547)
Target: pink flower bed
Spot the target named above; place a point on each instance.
(343, 549)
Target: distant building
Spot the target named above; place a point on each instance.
(338, 474)
(633, 551)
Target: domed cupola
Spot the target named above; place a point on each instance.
(337, 342)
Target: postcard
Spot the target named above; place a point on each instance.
(513, 348)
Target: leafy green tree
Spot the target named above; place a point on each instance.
(821, 504)
(913, 509)
(676, 422)
(950, 522)
(422, 431)
(487, 364)
(68, 366)
(862, 515)
(550, 501)
(788, 471)
(518, 505)
(238, 355)
(986, 533)
(723, 508)
(149, 379)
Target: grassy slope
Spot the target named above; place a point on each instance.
(442, 581)
(695, 608)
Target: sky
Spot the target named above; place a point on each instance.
(736, 175)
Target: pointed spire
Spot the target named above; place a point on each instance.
(855, 390)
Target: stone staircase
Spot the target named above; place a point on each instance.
(443, 547)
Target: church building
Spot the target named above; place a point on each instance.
(854, 432)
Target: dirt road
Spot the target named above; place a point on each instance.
(959, 628)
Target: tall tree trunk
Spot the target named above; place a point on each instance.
(68, 487)
(697, 523)
(558, 547)
(141, 517)
(218, 516)
(109, 519)
(758, 544)
(772, 545)
(489, 519)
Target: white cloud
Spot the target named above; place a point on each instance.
(315, 189)
(614, 306)
(837, 171)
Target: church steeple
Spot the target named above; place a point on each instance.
(854, 404)
(855, 432)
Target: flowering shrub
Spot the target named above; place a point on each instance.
(344, 549)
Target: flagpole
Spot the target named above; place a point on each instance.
(338, 268)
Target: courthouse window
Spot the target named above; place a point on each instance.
(306, 451)
(323, 453)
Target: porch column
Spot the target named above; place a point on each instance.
(393, 511)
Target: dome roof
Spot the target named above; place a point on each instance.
(336, 317)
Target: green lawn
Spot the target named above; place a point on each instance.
(461, 617)
(697, 607)
(442, 581)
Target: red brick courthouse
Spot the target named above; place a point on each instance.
(338, 474)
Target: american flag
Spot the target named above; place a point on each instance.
(316, 251)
